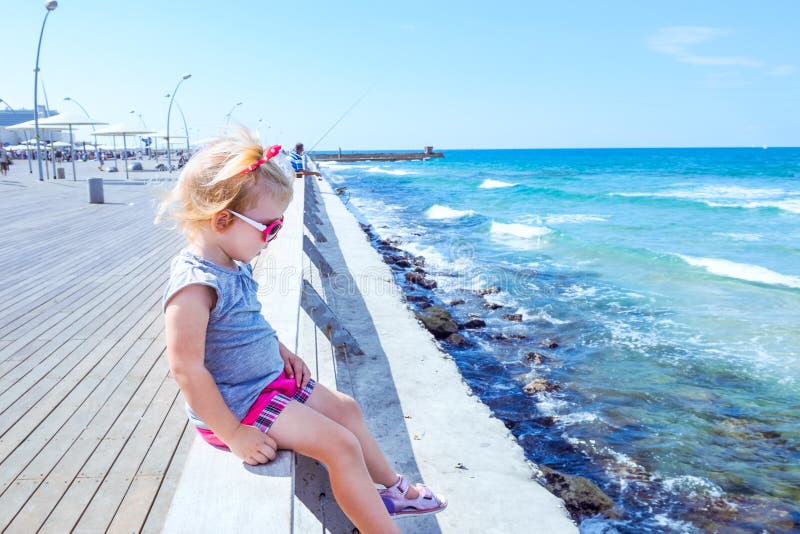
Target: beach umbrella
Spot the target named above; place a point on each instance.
(123, 129)
(23, 126)
(162, 134)
(69, 120)
(31, 125)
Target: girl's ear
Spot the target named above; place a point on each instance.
(221, 220)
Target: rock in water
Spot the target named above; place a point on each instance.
(458, 340)
(581, 496)
(438, 321)
(535, 358)
(474, 323)
(420, 280)
(539, 385)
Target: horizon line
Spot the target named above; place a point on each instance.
(375, 150)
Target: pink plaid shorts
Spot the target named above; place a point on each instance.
(269, 404)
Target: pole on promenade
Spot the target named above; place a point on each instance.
(50, 5)
(169, 111)
(185, 128)
(228, 115)
(96, 148)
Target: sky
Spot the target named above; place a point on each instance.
(402, 75)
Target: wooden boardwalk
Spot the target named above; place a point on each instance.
(93, 433)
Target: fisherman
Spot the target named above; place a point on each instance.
(297, 162)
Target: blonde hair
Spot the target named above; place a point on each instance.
(212, 181)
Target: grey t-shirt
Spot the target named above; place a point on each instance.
(241, 347)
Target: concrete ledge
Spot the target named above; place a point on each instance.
(217, 492)
(416, 403)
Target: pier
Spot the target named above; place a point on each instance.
(428, 153)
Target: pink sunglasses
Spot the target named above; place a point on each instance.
(270, 230)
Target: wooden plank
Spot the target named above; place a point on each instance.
(119, 478)
(73, 455)
(132, 512)
(23, 376)
(113, 464)
(79, 412)
(47, 295)
(102, 304)
(157, 515)
(84, 309)
(32, 398)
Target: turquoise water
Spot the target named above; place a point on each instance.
(670, 280)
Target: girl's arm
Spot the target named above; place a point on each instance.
(187, 315)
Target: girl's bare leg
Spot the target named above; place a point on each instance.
(345, 411)
(302, 429)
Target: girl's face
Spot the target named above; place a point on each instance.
(243, 242)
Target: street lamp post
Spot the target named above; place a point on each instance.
(144, 124)
(185, 128)
(50, 5)
(228, 115)
(96, 148)
(169, 111)
(25, 133)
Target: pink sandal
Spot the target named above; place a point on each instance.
(394, 497)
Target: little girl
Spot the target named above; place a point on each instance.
(245, 391)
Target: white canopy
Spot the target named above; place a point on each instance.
(68, 119)
(122, 128)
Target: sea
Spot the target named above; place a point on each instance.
(660, 289)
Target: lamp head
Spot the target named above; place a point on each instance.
(187, 76)
(68, 99)
(51, 5)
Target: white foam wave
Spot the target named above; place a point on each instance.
(693, 486)
(543, 316)
(730, 196)
(393, 172)
(443, 212)
(740, 237)
(742, 271)
(577, 418)
(336, 166)
(519, 230)
(568, 218)
(495, 184)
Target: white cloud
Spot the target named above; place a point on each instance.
(726, 61)
(678, 41)
(782, 70)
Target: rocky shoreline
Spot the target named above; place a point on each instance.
(582, 497)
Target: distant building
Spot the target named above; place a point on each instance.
(9, 118)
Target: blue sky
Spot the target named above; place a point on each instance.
(451, 74)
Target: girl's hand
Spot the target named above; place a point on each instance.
(252, 445)
(296, 368)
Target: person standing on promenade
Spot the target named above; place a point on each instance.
(5, 160)
(297, 162)
(99, 157)
(245, 391)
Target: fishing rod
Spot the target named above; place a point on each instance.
(357, 102)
